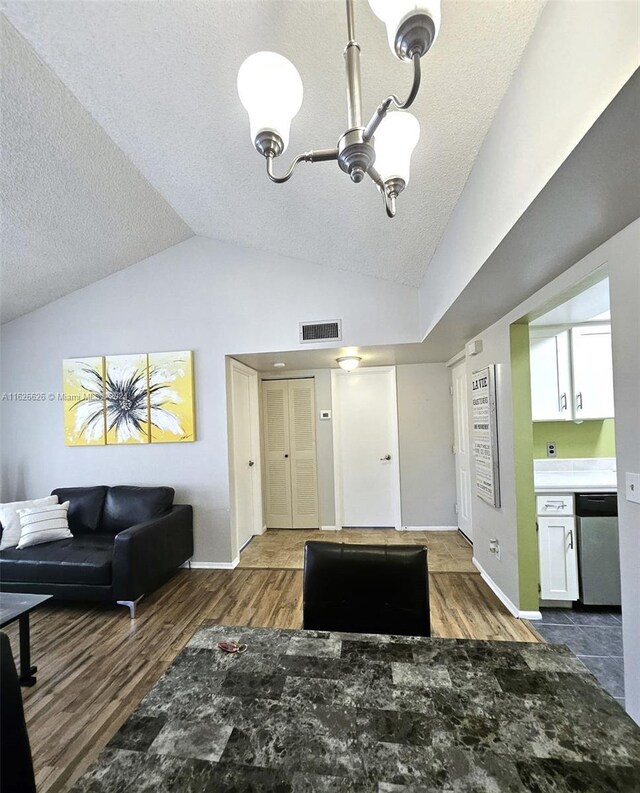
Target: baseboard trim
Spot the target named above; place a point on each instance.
(507, 602)
(214, 565)
(429, 528)
(329, 528)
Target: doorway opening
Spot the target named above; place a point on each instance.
(574, 499)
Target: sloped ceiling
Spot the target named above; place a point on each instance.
(592, 196)
(74, 208)
(160, 79)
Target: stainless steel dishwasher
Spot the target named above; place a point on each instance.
(598, 549)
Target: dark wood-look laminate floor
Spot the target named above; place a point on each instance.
(95, 665)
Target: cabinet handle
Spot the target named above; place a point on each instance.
(570, 539)
(563, 402)
(579, 400)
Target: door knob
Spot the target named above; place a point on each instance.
(286, 455)
(251, 463)
(386, 457)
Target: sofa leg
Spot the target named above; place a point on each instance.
(131, 604)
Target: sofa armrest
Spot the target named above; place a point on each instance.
(145, 555)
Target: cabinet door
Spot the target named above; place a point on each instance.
(592, 372)
(558, 559)
(550, 376)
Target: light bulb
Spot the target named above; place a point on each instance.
(348, 362)
(270, 89)
(395, 140)
(410, 26)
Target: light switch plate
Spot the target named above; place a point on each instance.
(325, 415)
(632, 487)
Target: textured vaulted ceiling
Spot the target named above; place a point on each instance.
(74, 208)
(160, 79)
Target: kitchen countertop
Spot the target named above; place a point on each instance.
(575, 481)
(304, 711)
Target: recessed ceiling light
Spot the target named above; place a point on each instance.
(279, 365)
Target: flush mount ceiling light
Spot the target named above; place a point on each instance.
(279, 365)
(348, 362)
(270, 89)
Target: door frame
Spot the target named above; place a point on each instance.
(256, 450)
(337, 374)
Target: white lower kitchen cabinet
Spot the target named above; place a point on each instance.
(558, 558)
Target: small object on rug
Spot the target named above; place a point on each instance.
(232, 647)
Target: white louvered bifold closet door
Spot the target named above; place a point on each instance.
(275, 398)
(291, 482)
(302, 434)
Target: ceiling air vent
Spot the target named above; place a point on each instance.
(327, 330)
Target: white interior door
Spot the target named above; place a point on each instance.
(365, 443)
(289, 430)
(592, 371)
(461, 448)
(245, 448)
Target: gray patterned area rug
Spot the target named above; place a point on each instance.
(308, 711)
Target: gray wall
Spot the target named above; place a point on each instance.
(202, 295)
(425, 429)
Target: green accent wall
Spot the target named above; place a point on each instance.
(589, 439)
(523, 458)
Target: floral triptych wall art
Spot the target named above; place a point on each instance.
(125, 399)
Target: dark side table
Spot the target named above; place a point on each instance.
(16, 606)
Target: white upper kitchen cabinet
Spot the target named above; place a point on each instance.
(571, 373)
(592, 372)
(550, 375)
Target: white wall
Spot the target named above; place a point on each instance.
(202, 295)
(578, 58)
(425, 431)
(624, 287)
(621, 255)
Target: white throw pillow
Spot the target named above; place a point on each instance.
(10, 520)
(43, 524)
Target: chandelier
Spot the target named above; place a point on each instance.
(270, 89)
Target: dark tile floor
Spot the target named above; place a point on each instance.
(595, 637)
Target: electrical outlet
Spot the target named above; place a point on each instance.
(632, 487)
(494, 547)
(552, 449)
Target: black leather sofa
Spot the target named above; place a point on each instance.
(366, 588)
(127, 541)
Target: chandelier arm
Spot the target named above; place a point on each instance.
(383, 107)
(319, 155)
(388, 199)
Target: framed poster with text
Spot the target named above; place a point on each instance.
(485, 435)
